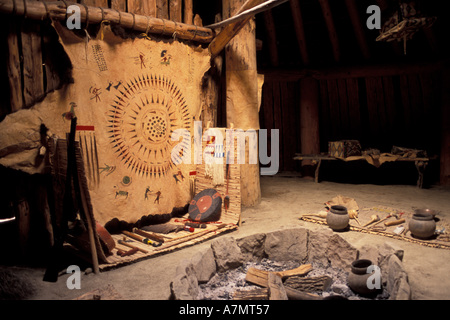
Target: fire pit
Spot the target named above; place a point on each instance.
(299, 263)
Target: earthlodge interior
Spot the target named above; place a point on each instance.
(226, 149)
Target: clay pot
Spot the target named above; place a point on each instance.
(357, 279)
(422, 225)
(337, 218)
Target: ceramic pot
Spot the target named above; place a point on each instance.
(337, 218)
(422, 225)
(357, 279)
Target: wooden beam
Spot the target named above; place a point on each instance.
(326, 10)
(162, 9)
(309, 116)
(188, 12)
(142, 7)
(242, 106)
(33, 72)
(358, 27)
(376, 70)
(13, 66)
(271, 37)
(230, 30)
(175, 10)
(299, 30)
(57, 10)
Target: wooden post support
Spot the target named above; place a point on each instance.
(229, 8)
(242, 96)
(309, 117)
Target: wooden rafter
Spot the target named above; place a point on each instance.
(358, 27)
(299, 30)
(271, 37)
(326, 10)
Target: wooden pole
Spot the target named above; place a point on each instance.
(309, 117)
(326, 10)
(232, 29)
(37, 10)
(358, 27)
(299, 30)
(242, 96)
(271, 37)
(175, 10)
(13, 66)
(188, 12)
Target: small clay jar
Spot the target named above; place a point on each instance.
(337, 218)
(422, 225)
(357, 279)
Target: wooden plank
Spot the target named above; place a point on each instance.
(335, 119)
(33, 74)
(372, 107)
(120, 5)
(309, 116)
(380, 108)
(406, 104)
(268, 123)
(299, 30)
(276, 288)
(162, 9)
(96, 3)
(142, 7)
(354, 107)
(343, 108)
(188, 12)
(277, 118)
(289, 145)
(390, 103)
(175, 10)
(13, 66)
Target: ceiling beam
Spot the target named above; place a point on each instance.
(299, 29)
(271, 37)
(326, 10)
(358, 28)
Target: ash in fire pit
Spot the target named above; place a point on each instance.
(232, 284)
(304, 264)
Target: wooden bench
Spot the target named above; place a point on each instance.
(421, 163)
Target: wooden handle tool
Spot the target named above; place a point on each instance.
(394, 223)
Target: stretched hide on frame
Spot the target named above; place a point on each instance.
(129, 96)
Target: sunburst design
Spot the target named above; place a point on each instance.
(141, 121)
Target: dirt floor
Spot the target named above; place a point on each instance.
(284, 200)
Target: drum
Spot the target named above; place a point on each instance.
(206, 206)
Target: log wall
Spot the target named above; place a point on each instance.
(402, 109)
(32, 64)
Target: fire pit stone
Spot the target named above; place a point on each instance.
(321, 248)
